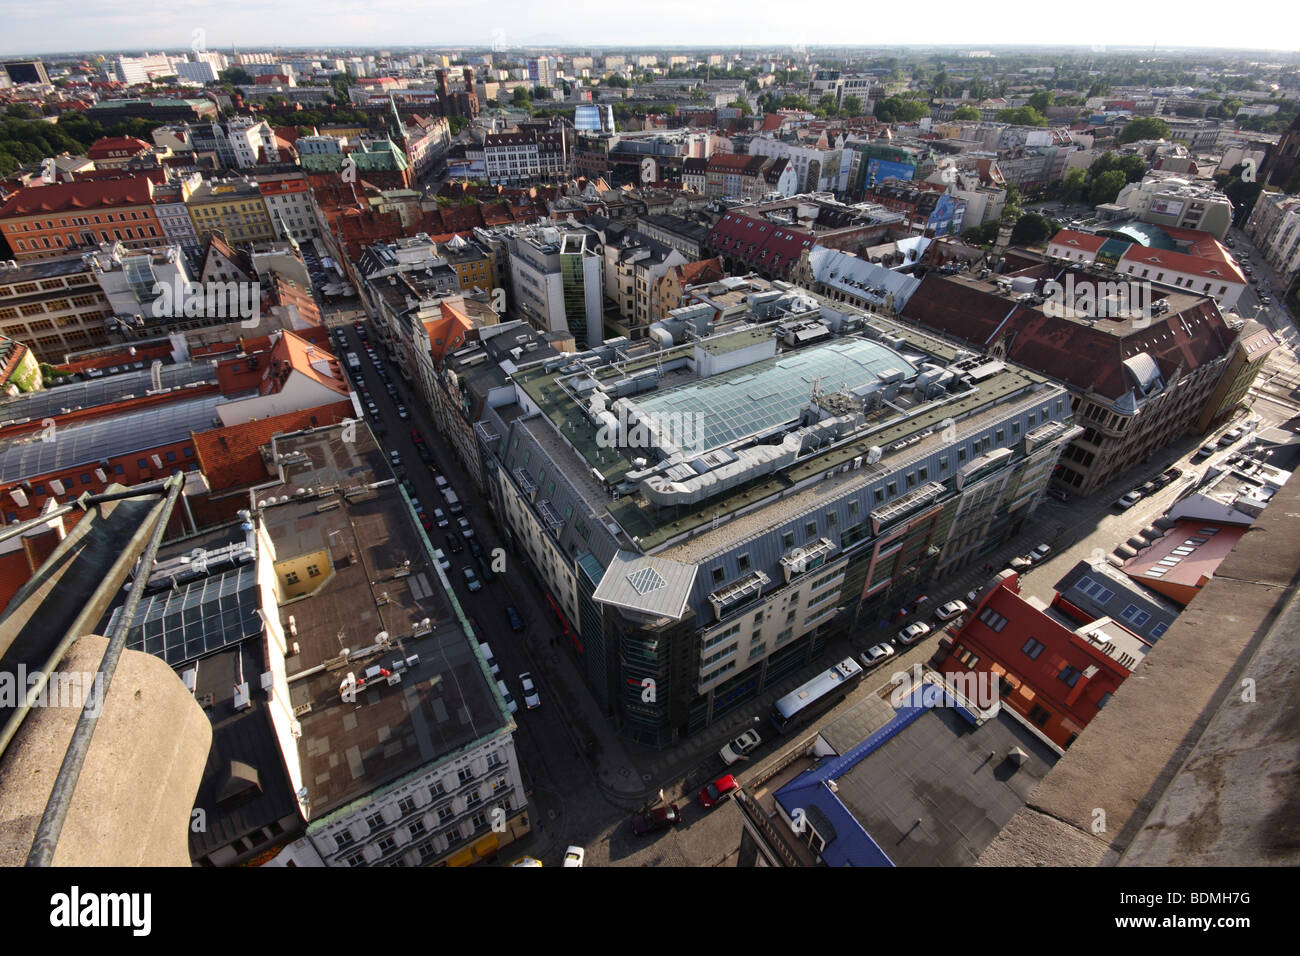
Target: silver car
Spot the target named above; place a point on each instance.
(740, 747)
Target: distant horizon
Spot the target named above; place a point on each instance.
(1081, 49)
(112, 26)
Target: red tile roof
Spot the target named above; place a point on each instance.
(1218, 271)
(230, 456)
(758, 241)
(1081, 355)
(111, 146)
(1078, 240)
(698, 273)
(66, 197)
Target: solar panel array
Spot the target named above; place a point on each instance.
(48, 403)
(748, 400)
(94, 441)
(198, 619)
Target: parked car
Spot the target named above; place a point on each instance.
(441, 482)
(402, 413)
(1022, 562)
(913, 632)
(574, 856)
(1230, 437)
(1058, 494)
(660, 818)
(1205, 450)
(465, 527)
(485, 568)
(426, 456)
(532, 700)
(742, 746)
(527, 861)
(454, 545)
(505, 695)
(951, 610)
(441, 558)
(515, 618)
(718, 791)
(488, 657)
(876, 655)
(1041, 552)
(471, 580)
(416, 436)
(1149, 488)
(1128, 500)
(440, 516)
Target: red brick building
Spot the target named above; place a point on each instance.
(1052, 671)
(41, 222)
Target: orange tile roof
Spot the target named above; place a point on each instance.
(230, 456)
(64, 197)
(104, 148)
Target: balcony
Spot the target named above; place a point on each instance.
(738, 592)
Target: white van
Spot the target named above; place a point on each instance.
(491, 661)
(453, 502)
(505, 695)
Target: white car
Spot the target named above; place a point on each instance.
(441, 559)
(951, 610)
(465, 527)
(1041, 552)
(1128, 501)
(531, 698)
(913, 632)
(877, 655)
(574, 856)
(440, 518)
(739, 747)
(505, 695)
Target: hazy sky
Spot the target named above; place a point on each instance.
(42, 26)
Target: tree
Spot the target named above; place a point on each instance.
(984, 235)
(1041, 100)
(1133, 168)
(827, 105)
(893, 109)
(519, 96)
(967, 113)
(1242, 194)
(1146, 128)
(541, 93)
(1106, 187)
(1293, 184)
(745, 108)
(237, 76)
(852, 106)
(1072, 190)
(1031, 230)
(1022, 116)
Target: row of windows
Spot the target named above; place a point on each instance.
(77, 221)
(130, 234)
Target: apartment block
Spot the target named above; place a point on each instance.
(703, 520)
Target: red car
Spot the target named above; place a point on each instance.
(717, 791)
(416, 436)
